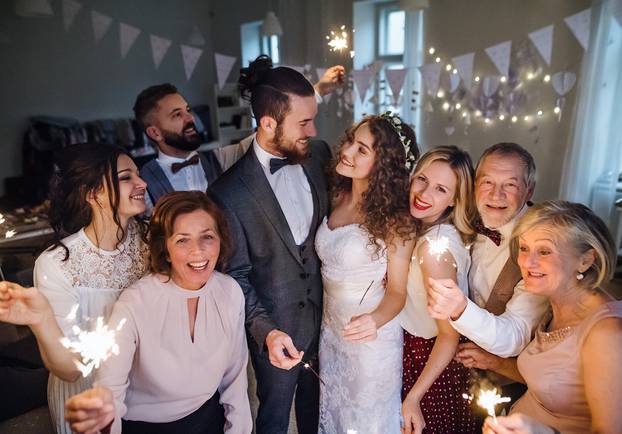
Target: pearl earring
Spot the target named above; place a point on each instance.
(580, 276)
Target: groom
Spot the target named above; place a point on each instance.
(275, 197)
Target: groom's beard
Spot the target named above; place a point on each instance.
(188, 140)
(290, 149)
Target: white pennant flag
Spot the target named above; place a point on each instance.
(101, 24)
(196, 37)
(464, 65)
(127, 37)
(500, 56)
(431, 74)
(70, 10)
(362, 80)
(395, 78)
(224, 64)
(191, 57)
(159, 47)
(543, 41)
(579, 24)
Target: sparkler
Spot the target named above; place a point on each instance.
(308, 367)
(93, 346)
(365, 293)
(338, 41)
(488, 399)
(10, 233)
(438, 246)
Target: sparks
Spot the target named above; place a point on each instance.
(94, 346)
(438, 246)
(488, 399)
(10, 234)
(338, 41)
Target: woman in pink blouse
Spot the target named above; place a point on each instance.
(182, 360)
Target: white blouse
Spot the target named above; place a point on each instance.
(161, 374)
(414, 318)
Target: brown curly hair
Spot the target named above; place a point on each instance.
(385, 202)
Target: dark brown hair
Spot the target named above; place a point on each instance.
(385, 203)
(148, 99)
(162, 224)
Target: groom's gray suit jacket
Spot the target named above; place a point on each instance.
(281, 280)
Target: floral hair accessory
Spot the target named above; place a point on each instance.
(396, 123)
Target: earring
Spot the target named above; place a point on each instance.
(580, 276)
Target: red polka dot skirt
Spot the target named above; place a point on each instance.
(444, 409)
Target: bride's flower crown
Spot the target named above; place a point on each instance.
(396, 123)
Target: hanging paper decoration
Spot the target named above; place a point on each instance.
(454, 82)
(431, 74)
(101, 24)
(449, 130)
(579, 24)
(396, 77)
(490, 84)
(190, 56)
(362, 81)
(464, 65)
(224, 64)
(543, 40)
(159, 47)
(196, 37)
(563, 82)
(127, 37)
(500, 56)
(70, 9)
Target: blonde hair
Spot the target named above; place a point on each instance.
(578, 225)
(462, 214)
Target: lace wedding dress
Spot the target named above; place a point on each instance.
(361, 383)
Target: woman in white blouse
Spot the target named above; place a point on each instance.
(183, 350)
(98, 250)
(441, 200)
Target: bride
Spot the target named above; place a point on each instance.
(365, 246)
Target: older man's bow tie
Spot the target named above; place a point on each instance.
(193, 161)
(494, 235)
(277, 163)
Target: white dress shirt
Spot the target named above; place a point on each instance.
(507, 334)
(161, 374)
(293, 192)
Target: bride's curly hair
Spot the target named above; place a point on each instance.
(385, 202)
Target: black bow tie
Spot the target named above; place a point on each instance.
(277, 163)
(494, 235)
(193, 161)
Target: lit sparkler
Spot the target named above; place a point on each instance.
(10, 233)
(438, 246)
(94, 346)
(488, 399)
(308, 367)
(338, 41)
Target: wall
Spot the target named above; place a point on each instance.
(457, 27)
(47, 71)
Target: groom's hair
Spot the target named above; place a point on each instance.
(268, 88)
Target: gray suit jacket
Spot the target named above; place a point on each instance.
(281, 281)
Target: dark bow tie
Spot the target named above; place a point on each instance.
(277, 163)
(494, 235)
(193, 161)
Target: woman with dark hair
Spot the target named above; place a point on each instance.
(365, 247)
(98, 250)
(182, 349)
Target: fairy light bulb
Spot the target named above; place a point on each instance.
(446, 106)
(448, 67)
(504, 79)
(556, 110)
(437, 60)
(514, 119)
(501, 117)
(477, 78)
(440, 93)
(458, 106)
(547, 78)
(540, 112)
(431, 50)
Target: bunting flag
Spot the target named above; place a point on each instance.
(196, 37)
(490, 84)
(543, 40)
(190, 55)
(127, 37)
(431, 74)
(70, 9)
(395, 78)
(362, 81)
(500, 56)
(224, 64)
(579, 24)
(464, 65)
(159, 47)
(101, 24)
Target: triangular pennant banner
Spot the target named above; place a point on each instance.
(500, 56)
(159, 47)
(579, 24)
(101, 24)
(431, 74)
(543, 41)
(190, 56)
(362, 80)
(395, 78)
(127, 37)
(464, 65)
(196, 37)
(70, 10)
(224, 64)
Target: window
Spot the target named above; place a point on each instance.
(254, 43)
(390, 50)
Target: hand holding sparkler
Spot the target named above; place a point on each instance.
(23, 306)
(489, 399)
(515, 423)
(91, 411)
(281, 350)
(333, 78)
(445, 299)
